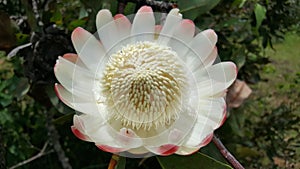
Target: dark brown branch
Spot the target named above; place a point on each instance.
(226, 154)
(54, 138)
(40, 154)
(113, 161)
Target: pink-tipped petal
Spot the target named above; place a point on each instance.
(123, 25)
(81, 104)
(110, 149)
(79, 134)
(206, 140)
(143, 24)
(72, 57)
(183, 150)
(65, 96)
(108, 30)
(182, 35)
(75, 79)
(89, 49)
(163, 150)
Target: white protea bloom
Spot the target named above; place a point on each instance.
(150, 85)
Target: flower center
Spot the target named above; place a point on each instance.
(143, 84)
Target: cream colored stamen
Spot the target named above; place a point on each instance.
(143, 84)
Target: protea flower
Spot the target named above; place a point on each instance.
(145, 87)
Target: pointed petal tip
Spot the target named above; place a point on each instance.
(79, 134)
(188, 25)
(207, 140)
(72, 57)
(77, 31)
(104, 12)
(167, 149)
(118, 16)
(145, 9)
(174, 11)
(110, 149)
(211, 35)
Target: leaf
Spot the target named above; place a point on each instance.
(193, 8)
(76, 23)
(121, 163)
(260, 14)
(64, 119)
(195, 161)
(22, 88)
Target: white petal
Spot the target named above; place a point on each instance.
(215, 79)
(200, 131)
(107, 29)
(138, 151)
(75, 79)
(154, 136)
(78, 129)
(72, 57)
(143, 24)
(214, 109)
(182, 35)
(89, 49)
(123, 25)
(172, 20)
(77, 103)
(183, 150)
(204, 43)
(201, 47)
(163, 150)
(128, 138)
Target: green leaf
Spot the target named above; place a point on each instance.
(194, 8)
(22, 88)
(76, 23)
(195, 161)
(121, 163)
(260, 14)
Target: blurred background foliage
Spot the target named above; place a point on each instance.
(262, 133)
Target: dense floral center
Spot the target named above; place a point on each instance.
(143, 84)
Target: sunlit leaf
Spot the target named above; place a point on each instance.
(193, 8)
(260, 14)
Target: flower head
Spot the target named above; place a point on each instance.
(145, 87)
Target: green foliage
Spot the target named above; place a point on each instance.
(264, 132)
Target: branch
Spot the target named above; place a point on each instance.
(113, 161)
(54, 136)
(40, 154)
(226, 154)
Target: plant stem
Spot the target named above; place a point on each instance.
(226, 154)
(113, 161)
